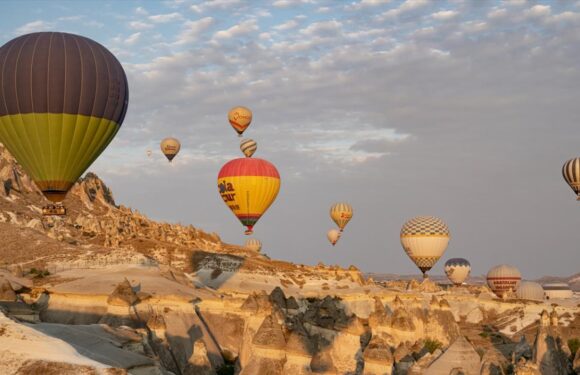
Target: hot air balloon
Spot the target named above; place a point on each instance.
(457, 270)
(63, 98)
(341, 213)
(503, 278)
(425, 239)
(240, 118)
(170, 147)
(333, 236)
(248, 186)
(253, 244)
(571, 173)
(248, 147)
(530, 290)
(149, 153)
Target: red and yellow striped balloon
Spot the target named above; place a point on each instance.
(248, 187)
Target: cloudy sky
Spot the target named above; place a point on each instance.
(464, 110)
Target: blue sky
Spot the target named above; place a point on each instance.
(464, 110)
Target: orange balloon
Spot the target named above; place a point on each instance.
(240, 118)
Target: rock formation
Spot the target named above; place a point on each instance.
(6, 291)
(460, 357)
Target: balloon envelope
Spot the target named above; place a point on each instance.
(240, 118)
(333, 236)
(253, 244)
(341, 213)
(425, 239)
(248, 147)
(170, 147)
(63, 98)
(457, 270)
(530, 290)
(571, 173)
(503, 278)
(248, 186)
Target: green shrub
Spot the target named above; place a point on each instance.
(574, 345)
(484, 334)
(226, 369)
(432, 345)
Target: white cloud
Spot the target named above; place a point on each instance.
(133, 38)
(323, 28)
(242, 28)
(444, 15)
(164, 18)
(564, 17)
(34, 26)
(497, 13)
(286, 25)
(140, 25)
(208, 5)
(538, 11)
(290, 3)
(366, 4)
(407, 6)
(141, 11)
(475, 26)
(192, 30)
(515, 2)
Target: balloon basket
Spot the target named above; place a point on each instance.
(54, 210)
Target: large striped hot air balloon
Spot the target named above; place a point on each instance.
(457, 270)
(571, 173)
(170, 147)
(503, 278)
(341, 213)
(425, 239)
(63, 98)
(240, 118)
(248, 187)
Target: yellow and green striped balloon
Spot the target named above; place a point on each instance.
(341, 213)
(63, 98)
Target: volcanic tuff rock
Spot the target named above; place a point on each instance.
(377, 356)
(460, 356)
(6, 291)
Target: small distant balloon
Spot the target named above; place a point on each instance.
(457, 270)
(170, 147)
(571, 173)
(254, 244)
(240, 118)
(333, 236)
(149, 153)
(341, 213)
(248, 147)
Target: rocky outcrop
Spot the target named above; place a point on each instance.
(6, 291)
(548, 354)
(123, 295)
(460, 357)
(199, 363)
(378, 359)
